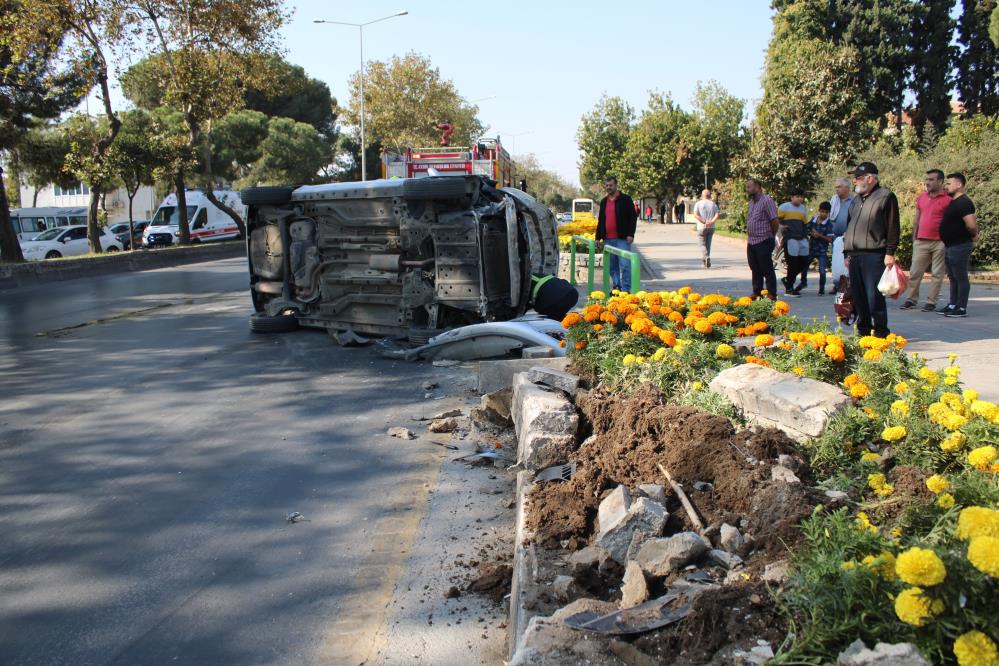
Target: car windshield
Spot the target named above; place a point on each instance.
(49, 235)
(582, 206)
(168, 215)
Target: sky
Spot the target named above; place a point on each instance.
(544, 64)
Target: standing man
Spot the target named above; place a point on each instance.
(706, 213)
(839, 211)
(793, 218)
(616, 227)
(662, 213)
(869, 244)
(927, 248)
(958, 231)
(681, 210)
(761, 225)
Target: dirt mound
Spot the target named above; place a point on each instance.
(632, 436)
(737, 614)
(493, 580)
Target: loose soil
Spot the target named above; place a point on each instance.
(633, 435)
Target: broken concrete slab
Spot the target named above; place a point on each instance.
(780, 473)
(547, 642)
(446, 414)
(536, 352)
(797, 405)
(883, 654)
(546, 423)
(496, 375)
(643, 516)
(730, 538)
(558, 379)
(661, 557)
(724, 558)
(613, 508)
(401, 433)
(586, 560)
(564, 589)
(448, 424)
(776, 572)
(654, 492)
(634, 587)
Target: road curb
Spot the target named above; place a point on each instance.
(13, 276)
(524, 568)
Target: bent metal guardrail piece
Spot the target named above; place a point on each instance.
(572, 261)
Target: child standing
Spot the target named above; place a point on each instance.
(820, 234)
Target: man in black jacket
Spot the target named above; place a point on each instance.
(616, 228)
(869, 244)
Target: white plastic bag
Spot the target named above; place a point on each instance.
(889, 284)
(838, 262)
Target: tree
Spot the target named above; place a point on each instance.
(33, 88)
(135, 157)
(657, 159)
(405, 99)
(932, 78)
(209, 55)
(292, 93)
(994, 27)
(602, 138)
(235, 143)
(978, 62)
(88, 30)
(41, 159)
(812, 109)
(714, 135)
(292, 154)
(544, 185)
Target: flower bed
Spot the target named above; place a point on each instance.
(917, 560)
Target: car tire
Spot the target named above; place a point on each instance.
(261, 323)
(52, 254)
(113, 248)
(266, 196)
(436, 188)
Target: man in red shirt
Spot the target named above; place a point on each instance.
(927, 248)
(616, 227)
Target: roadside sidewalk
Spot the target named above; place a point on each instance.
(673, 250)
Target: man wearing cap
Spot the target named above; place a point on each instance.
(869, 243)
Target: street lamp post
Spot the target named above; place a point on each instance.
(705, 176)
(360, 32)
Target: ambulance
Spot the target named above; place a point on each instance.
(205, 221)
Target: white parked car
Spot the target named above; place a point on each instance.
(65, 242)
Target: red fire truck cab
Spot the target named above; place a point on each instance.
(486, 158)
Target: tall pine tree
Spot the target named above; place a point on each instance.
(933, 58)
(978, 63)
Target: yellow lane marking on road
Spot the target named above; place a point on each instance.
(360, 629)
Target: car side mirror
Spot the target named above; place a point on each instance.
(63, 239)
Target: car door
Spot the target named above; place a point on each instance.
(76, 242)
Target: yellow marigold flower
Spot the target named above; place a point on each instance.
(983, 553)
(883, 564)
(969, 395)
(629, 359)
(937, 484)
(973, 648)
(597, 295)
(982, 457)
(871, 414)
(859, 390)
(976, 521)
(869, 456)
(900, 407)
(928, 375)
(953, 442)
(660, 354)
(743, 302)
(697, 386)
(864, 523)
(798, 370)
(896, 533)
(987, 410)
(640, 360)
(952, 371)
(848, 565)
(901, 388)
(876, 479)
(950, 381)
(851, 379)
(763, 340)
(912, 607)
(872, 355)
(952, 357)
(953, 422)
(893, 433)
(724, 351)
(920, 566)
(683, 291)
(945, 500)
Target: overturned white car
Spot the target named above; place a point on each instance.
(395, 257)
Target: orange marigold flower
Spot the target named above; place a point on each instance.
(703, 326)
(859, 390)
(836, 353)
(597, 328)
(780, 309)
(675, 317)
(851, 379)
(571, 319)
(581, 344)
(561, 343)
(763, 340)
(667, 338)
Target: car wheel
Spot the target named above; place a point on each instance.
(112, 248)
(53, 254)
(261, 323)
(266, 196)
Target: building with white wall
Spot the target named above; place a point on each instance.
(143, 206)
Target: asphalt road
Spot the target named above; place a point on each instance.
(150, 449)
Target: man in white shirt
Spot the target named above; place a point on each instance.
(838, 213)
(706, 213)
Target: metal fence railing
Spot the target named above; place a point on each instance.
(632, 257)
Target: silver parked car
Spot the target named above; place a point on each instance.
(395, 257)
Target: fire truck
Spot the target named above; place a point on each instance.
(486, 158)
